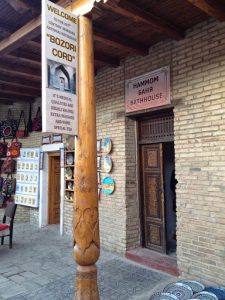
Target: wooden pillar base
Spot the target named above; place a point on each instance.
(86, 283)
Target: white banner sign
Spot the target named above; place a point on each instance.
(59, 69)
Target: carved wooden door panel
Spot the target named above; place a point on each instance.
(54, 190)
(153, 197)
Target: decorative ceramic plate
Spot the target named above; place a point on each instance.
(163, 296)
(194, 285)
(70, 185)
(67, 196)
(181, 290)
(106, 145)
(107, 164)
(69, 159)
(70, 142)
(108, 185)
(69, 173)
(205, 296)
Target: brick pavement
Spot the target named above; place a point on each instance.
(40, 266)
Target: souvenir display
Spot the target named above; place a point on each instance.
(163, 296)
(107, 164)
(194, 285)
(106, 145)
(27, 185)
(8, 127)
(69, 159)
(21, 127)
(180, 290)
(70, 142)
(69, 173)
(108, 185)
(205, 296)
(219, 292)
(13, 148)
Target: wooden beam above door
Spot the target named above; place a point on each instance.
(119, 42)
(212, 8)
(136, 14)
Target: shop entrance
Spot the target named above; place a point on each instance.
(53, 188)
(157, 188)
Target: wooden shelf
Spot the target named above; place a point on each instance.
(69, 166)
(69, 151)
(68, 190)
(72, 179)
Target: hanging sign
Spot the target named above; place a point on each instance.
(59, 69)
(148, 91)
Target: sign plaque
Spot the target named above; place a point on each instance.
(148, 91)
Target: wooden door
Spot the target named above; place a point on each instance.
(54, 189)
(153, 197)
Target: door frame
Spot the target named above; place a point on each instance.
(152, 114)
(50, 155)
(43, 203)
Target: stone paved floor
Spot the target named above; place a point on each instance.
(40, 267)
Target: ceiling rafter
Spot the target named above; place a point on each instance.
(23, 81)
(119, 42)
(16, 97)
(19, 91)
(20, 72)
(21, 6)
(26, 33)
(107, 60)
(23, 61)
(211, 8)
(127, 9)
(5, 84)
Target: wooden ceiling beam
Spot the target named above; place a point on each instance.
(211, 7)
(126, 9)
(107, 60)
(16, 97)
(23, 52)
(6, 85)
(19, 69)
(22, 7)
(20, 72)
(119, 42)
(15, 87)
(24, 82)
(23, 61)
(17, 39)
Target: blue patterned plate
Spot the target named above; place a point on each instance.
(180, 290)
(205, 296)
(163, 296)
(194, 285)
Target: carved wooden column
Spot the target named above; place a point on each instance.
(86, 221)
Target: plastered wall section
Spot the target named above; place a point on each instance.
(198, 94)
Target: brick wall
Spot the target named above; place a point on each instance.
(198, 90)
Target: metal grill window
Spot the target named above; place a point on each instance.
(157, 130)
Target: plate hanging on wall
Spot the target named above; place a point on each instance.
(69, 159)
(108, 185)
(69, 173)
(106, 145)
(107, 164)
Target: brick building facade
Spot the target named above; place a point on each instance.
(197, 74)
